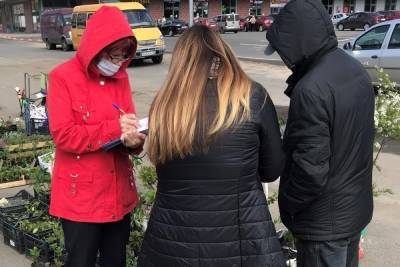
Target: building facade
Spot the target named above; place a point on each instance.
(24, 15)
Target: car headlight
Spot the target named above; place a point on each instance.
(161, 41)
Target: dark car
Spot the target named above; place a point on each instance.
(390, 15)
(172, 27)
(55, 28)
(360, 20)
(262, 23)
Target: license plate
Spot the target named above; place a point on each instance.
(148, 53)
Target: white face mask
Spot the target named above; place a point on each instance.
(107, 68)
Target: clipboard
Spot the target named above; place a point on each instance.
(112, 144)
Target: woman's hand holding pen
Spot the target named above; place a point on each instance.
(130, 136)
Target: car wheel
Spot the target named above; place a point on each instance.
(137, 61)
(366, 26)
(64, 45)
(260, 28)
(340, 27)
(157, 60)
(352, 29)
(235, 31)
(49, 45)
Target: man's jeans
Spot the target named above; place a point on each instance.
(337, 253)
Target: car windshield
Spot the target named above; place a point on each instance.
(67, 19)
(139, 18)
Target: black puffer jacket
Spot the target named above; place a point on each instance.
(325, 192)
(210, 208)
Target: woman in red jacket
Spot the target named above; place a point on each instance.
(93, 191)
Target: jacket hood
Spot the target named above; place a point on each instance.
(104, 27)
(301, 33)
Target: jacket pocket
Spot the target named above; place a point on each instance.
(77, 190)
(82, 113)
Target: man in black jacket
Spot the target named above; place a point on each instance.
(325, 194)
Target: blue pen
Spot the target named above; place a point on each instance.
(118, 108)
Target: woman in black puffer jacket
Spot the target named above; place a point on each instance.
(214, 137)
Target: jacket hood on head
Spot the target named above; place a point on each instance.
(302, 32)
(104, 27)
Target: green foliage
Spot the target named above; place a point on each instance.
(35, 254)
(148, 197)
(20, 137)
(387, 112)
(149, 176)
(378, 192)
(272, 198)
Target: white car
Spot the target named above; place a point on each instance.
(338, 17)
(378, 46)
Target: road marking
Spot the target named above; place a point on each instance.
(260, 45)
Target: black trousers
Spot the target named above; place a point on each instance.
(84, 240)
(337, 253)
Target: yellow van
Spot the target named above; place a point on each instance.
(151, 42)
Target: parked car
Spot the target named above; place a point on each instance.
(55, 28)
(360, 20)
(390, 15)
(262, 23)
(338, 17)
(228, 23)
(378, 46)
(172, 27)
(210, 23)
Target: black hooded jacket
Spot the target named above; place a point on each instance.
(326, 188)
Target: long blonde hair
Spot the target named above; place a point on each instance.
(180, 106)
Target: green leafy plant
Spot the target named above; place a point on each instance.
(387, 119)
(387, 112)
(149, 176)
(35, 254)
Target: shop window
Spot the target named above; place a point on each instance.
(370, 5)
(349, 6)
(36, 15)
(390, 4)
(171, 8)
(228, 6)
(328, 5)
(19, 17)
(255, 7)
(200, 9)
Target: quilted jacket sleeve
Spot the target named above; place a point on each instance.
(308, 137)
(272, 159)
(67, 134)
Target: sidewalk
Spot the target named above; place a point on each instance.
(27, 37)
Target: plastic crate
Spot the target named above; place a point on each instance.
(13, 237)
(16, 203)
(39, 241)
(37, 126)
(44, 198)
(7, 129)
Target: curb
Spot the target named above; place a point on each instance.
(276, 62)
(21, 39)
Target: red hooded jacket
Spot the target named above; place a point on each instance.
(88, 184)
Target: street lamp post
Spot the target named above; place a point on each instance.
(190, 13)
